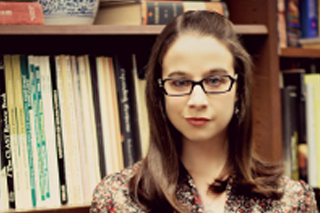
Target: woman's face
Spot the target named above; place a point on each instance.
(199, 117)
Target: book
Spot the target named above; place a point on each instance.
(292, 16)
(50, 136)
(314, 79)
(311, 137)
(6, 146)
(310, 43)
(21, 13)
(5, 150)
(282, 31)
(128, 113)
(94, 140)
(295, 78)
(90, 139)
(35, 133)
(100, 132)
(151, 12)
(58, 131)
(140, 87)
(27, 107)
(22, 140)
(115, 113)
(308, 18)
(17, 172)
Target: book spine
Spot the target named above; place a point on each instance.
(161, 12)
(5, 137)
(42, 137)
(311, 137)
(21, 13)
(49, 131)
(66, 136)
(80, 129)
(27, 107)
(58, 130)
(73, 132)
(314, 79)
(96, 100)
(125, 88)
(308, 18)
(105, 104)
(35, 131)
(115, 114)
(292, 23)
(96, 176)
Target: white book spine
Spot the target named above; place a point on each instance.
(76, 166)
(65, 135)
(80, 129)
(46, 87)
(89, 135)
(311, 137)
(97, 175)
(107, 143)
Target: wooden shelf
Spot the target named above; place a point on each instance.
(292, 52)
(63, 209)
(107, 30)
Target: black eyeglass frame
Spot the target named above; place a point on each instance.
(233, 79)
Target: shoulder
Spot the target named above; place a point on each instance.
(112, 193)
(297, 195)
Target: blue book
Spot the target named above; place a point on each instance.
(309, 18)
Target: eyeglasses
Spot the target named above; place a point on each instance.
(212, 85)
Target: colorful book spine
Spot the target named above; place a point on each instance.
(292, 23)
(27, 107)
(21, 13)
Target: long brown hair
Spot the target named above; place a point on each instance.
(154, 186)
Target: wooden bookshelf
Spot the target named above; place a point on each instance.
(77, 30)
(67, 208)
(255, 21)
(293, 52)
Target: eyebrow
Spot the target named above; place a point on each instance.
(218, 71)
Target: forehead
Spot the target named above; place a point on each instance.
(197, 55)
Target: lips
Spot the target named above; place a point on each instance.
(197, 121)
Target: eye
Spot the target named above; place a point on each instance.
(180, 82)
(214, 80)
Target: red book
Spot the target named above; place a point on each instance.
(21, 13)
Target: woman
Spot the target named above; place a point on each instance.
(201, 156)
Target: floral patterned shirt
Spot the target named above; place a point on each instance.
(112, 195)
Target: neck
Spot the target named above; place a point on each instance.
(206, 158)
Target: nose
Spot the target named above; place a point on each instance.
(198, 98)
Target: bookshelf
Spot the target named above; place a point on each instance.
(255, 21)
(292, 52)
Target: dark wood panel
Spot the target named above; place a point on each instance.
(266, 94)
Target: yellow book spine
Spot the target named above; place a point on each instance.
(315, 80)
